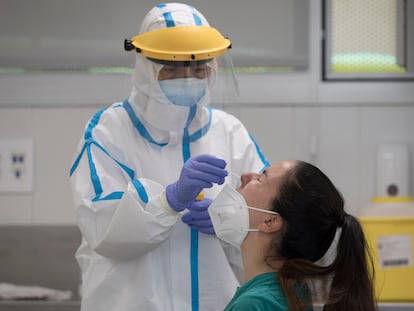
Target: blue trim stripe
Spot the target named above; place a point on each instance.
(140, 190)
(266, 164)
(95, 179)
(127, 170)
(92, 123)
(76, 163)
(197, 19)
(186, 135)
(191, 115)
(194, 270)
(138, 124)
(112, 196)
(93, 175)
(169, 21)
(186, 146)
(87, 136)
(89, 141)
(198, 134)
(193, 233)
(186, 141)
(161, 5)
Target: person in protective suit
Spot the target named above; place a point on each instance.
(147, 169)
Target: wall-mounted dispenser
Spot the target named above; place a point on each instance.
(388, 222)
(392, 174)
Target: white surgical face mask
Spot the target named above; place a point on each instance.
(184, 91)
(229, 214)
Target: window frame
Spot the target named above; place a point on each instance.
(405, 48)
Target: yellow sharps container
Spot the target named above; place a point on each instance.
(389, 228)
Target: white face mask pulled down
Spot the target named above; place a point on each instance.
(229, 214)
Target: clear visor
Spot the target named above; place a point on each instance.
(220, 84)
(172, 95)
(226, 88)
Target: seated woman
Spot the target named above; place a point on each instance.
(285, 219)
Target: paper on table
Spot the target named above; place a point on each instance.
(19, 292)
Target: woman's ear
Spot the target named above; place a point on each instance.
(271, 223)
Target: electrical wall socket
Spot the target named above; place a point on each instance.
(16, 165)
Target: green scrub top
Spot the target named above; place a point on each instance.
(262, 293)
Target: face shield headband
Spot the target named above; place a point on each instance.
(180, 63)
(180, 43)
(147, 99)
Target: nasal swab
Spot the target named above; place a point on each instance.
(236, 178)
(233, 174)
(200, 196)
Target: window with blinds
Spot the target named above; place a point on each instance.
(370, 39)
(266, 35)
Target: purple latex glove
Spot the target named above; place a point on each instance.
(198, 218)
(198, 172)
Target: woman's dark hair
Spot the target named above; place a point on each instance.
(312, 210)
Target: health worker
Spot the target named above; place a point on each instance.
(147, 168)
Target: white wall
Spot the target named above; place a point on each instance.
(340, 138)
(335, 125)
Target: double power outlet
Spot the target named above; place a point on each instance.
(16, 165)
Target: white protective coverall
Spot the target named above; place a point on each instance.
(136, 254)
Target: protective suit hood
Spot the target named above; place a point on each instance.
(147, 99)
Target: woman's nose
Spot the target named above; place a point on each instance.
(246, 177)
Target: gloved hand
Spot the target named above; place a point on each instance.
(198, 172)
(198, 217)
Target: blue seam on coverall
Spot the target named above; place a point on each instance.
(198, 134)
(169, 21)
(197, 19)
(260, 153)
(193, 233)
(87, 137)
(77, 160)
(94, 176)
(131, 173)
(186, 155)
(138, 124)
(187, 139)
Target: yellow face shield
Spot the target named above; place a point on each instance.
(181, 43)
